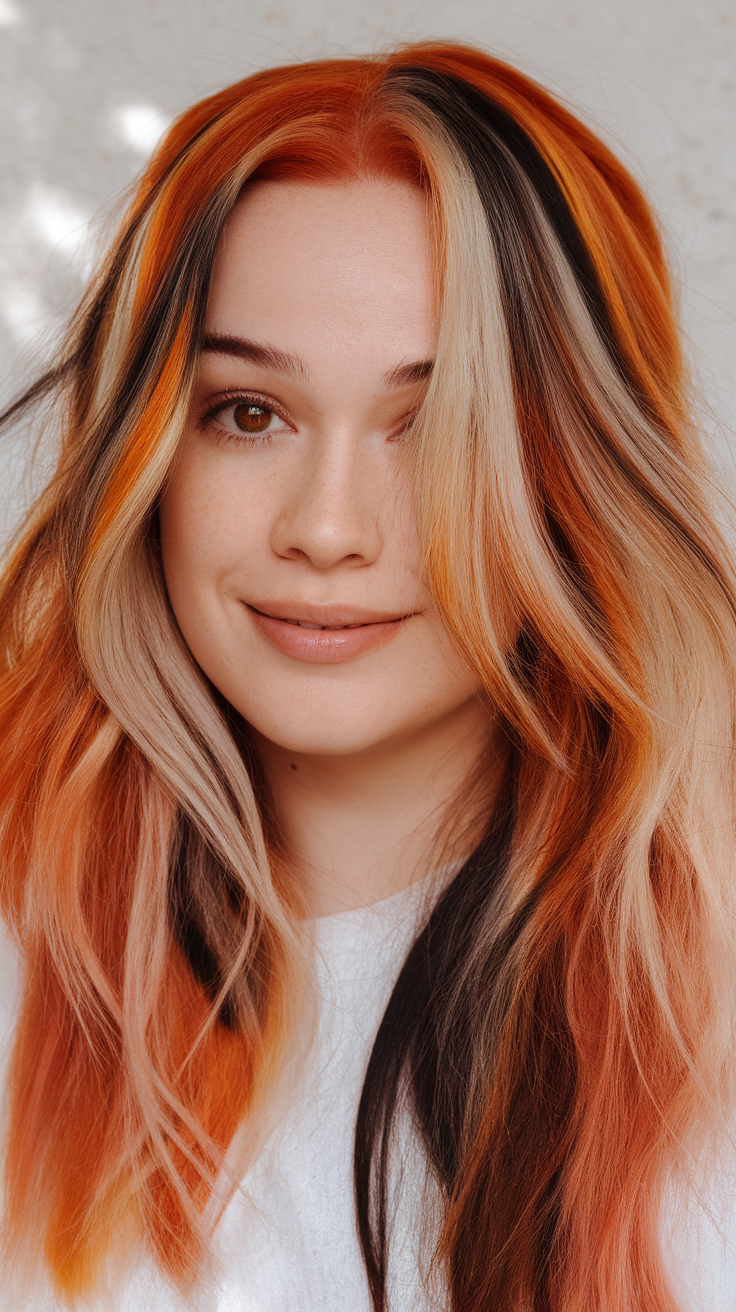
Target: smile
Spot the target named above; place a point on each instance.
(304, 624)
(327, 635)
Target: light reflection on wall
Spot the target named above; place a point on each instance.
(140, 126)
(9, 13)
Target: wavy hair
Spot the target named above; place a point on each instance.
(562, 1028)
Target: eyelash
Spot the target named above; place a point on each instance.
(227, 399)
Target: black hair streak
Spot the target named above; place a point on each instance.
(500, 155)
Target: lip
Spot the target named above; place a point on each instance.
(353, 630)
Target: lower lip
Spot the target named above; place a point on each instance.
(324, 646)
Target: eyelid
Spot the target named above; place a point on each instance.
(222, 400)
(403, 427)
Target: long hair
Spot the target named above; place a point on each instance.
(562, 1029)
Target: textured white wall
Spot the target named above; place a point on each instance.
(87, 85)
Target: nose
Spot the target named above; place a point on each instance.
(329, 512)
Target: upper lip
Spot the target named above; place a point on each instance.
(332, 615)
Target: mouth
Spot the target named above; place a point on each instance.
(326, 617)
(304, 624)
(325, 635)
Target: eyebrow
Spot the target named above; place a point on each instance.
(406, 374)
(268, 357)
(256, 353)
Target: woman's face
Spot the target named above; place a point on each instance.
(289, 541)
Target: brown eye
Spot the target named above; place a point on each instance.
(252, 418)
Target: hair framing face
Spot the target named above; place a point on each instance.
(564, 1020)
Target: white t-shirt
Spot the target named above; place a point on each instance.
(287, 1241)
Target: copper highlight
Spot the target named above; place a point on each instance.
(563, 1027)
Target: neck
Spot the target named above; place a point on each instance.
(356, 828)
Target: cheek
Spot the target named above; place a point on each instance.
(209, 521)
(399, 531)
(188, 549)
(198, 545)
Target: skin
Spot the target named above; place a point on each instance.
(366, 731)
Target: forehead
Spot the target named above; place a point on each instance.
(349, 261)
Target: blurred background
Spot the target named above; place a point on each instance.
(88, 86)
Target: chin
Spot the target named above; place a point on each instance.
(333, 735)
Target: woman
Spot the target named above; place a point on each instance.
(379, 568)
